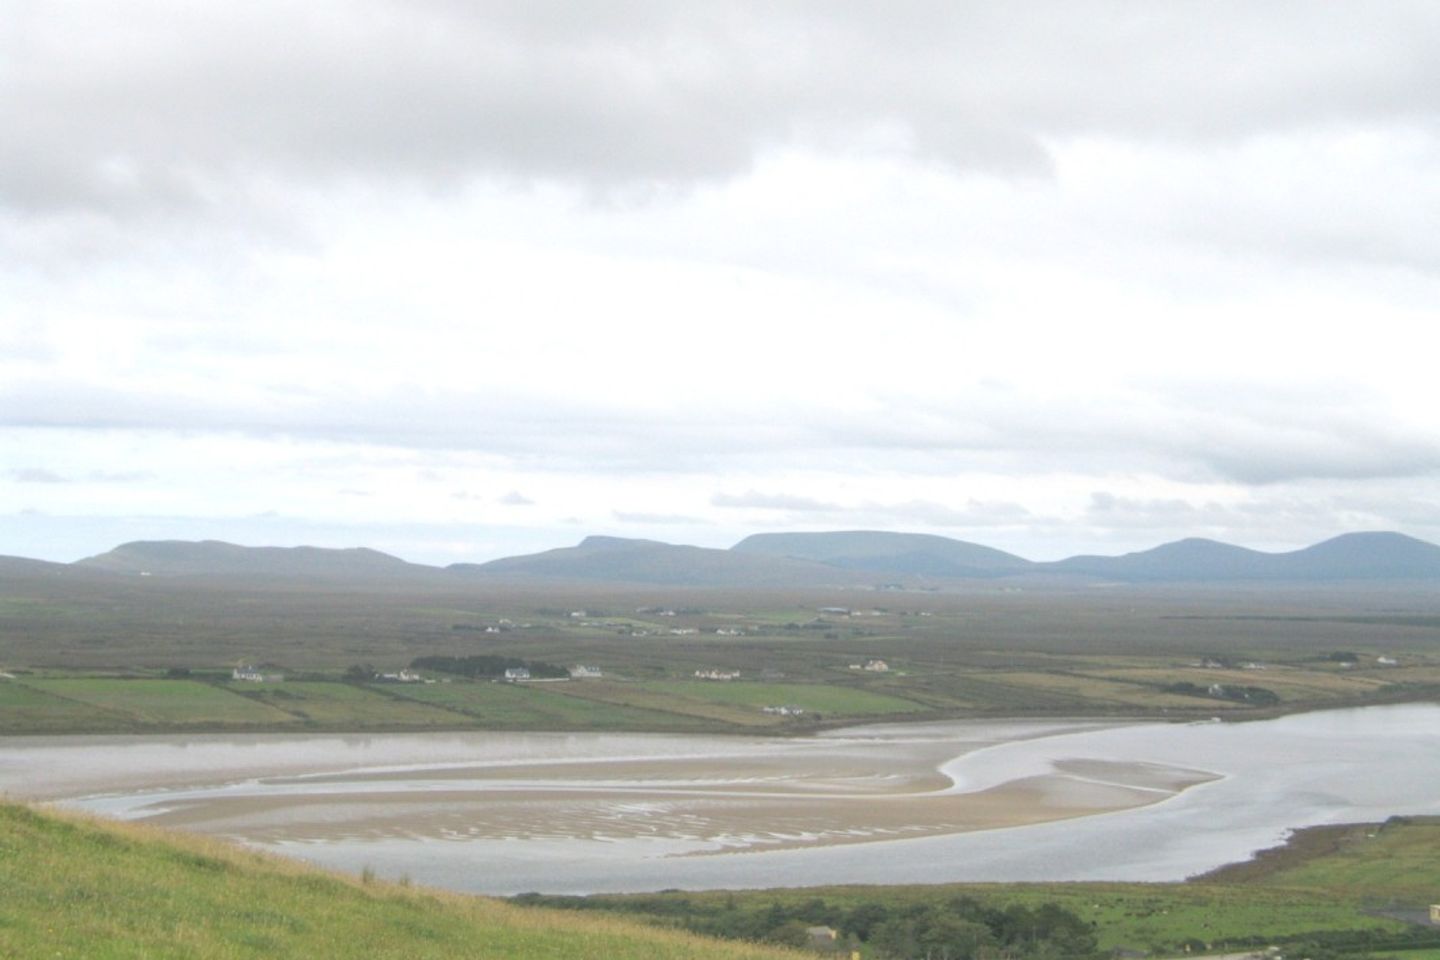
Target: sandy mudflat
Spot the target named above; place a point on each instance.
(702, 795)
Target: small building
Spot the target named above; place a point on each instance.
(876, 666)
(582, 672)
(821, 936)
(1387, 661)
(729, 632)
(248, 674)
(517, 673)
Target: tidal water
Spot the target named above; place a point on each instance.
(604, 812)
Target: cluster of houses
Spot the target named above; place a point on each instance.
(717, 674)
(249, 674)
(402, 676)
(873, 665)
(786, 710)
(578, 672)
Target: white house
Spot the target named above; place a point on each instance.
(517, 673)
(248, 674)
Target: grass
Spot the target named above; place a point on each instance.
(1333, 883)
(75, 888)
(346, 706)
(533, 706)
(1399, 859)
(26, 709)
(977, 651)
(162, 702)
(825, 699)
(1149, 918)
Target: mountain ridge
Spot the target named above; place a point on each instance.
(172, 558)
(786, 559)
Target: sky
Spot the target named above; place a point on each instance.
(461, 280)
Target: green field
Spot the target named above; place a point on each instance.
(1397, 860)
(79, 889)
(976, 651)
(26, 709)
(162, 703)
(828, 700)
(536, 706)
(346, 706)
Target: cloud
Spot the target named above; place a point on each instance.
(931, 514)
(36, 475)
(119, 476)
(153, 107)
(516, 499)
(754, 499)
(658, 519)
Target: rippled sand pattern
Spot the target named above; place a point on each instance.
(756, 796)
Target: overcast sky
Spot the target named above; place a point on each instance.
(458, 280)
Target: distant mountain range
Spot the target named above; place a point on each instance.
(650, 561)
(841, 558)
(215, 558)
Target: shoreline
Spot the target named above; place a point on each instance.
(722, 795)
(888, 803)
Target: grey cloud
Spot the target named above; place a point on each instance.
(516, 499)
(1236, 432)
(176, 106)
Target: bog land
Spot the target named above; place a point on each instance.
(86, 653)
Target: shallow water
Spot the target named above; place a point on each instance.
(505, 813)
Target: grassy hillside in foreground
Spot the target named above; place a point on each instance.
(75, 888)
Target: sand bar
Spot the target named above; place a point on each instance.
(703, 795)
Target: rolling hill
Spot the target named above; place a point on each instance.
(214, 558)
(1349, 557)
(882, 551)
(622, 560)
(780, 560)
(76, 887)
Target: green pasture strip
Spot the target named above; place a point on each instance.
(1396, 860)
(534, 706)
(1152, 918)
(828, 700)
(348, 706)
(1288, 683)
(1098, 690)
(163, 702)
(77, 889)
(709, 714)
(24, 709)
